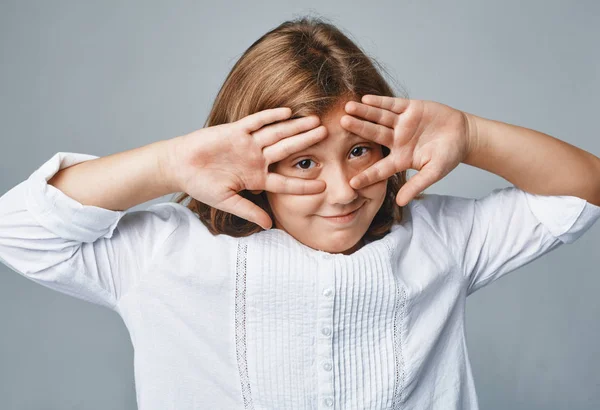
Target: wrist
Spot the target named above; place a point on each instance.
(472, 135)
(167, 155)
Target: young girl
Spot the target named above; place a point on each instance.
(305, 271)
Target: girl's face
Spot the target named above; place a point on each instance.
(335, 160)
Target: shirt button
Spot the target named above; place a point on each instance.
(327, 366)
(326, 331)
(328, 402)
(328, 292)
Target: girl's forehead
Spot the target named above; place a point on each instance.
(332, 144)
(341, 138)
(335, 113)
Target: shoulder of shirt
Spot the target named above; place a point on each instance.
(176, 213)
(435, 202)
(156, 220)
(182, 221)
(443, 214)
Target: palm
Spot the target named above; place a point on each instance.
(431, 134)
(427, 136)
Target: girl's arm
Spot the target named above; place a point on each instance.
(533, 161)
(119, 181)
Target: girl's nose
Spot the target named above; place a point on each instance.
(338, 188)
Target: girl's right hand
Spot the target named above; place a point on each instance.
(213, 164)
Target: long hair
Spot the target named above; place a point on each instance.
(309, 65)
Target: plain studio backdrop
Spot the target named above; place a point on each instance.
(105, 77)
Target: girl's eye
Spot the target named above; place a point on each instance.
(310, 160)
(367, 148)
(303, 160)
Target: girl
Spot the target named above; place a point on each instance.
(305, 271)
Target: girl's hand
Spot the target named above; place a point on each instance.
(430, 137)
(213, 164)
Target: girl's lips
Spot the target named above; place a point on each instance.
(345, 218)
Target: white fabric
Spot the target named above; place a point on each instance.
(267, 322)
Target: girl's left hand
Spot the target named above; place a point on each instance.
(430, 137)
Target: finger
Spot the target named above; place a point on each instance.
(394, 104)
(373, 114)
(416, 184)
(257, 120)
(275, 132)
(288, 185)
(288, 146)
(374, 132)
(246, 209)
(379, 171)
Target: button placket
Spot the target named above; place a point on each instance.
(324, 348)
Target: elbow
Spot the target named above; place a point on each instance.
(595, 199)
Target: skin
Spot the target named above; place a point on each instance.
(335, 160)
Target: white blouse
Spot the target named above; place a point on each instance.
(266, 322)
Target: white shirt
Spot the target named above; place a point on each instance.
(266, 322)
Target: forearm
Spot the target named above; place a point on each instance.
(118, 181)
(533, 161)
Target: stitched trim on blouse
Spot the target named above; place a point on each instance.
(400, 373)
(240, 322)
(399, 312)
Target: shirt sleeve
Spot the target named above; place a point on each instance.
(506, 229)
(91, 253)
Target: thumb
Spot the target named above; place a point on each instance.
(248, 210)
(415, 185)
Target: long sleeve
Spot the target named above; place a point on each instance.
(90, 253)
(506, 229)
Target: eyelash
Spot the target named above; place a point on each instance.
(308, 159)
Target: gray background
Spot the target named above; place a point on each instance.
(104, 77)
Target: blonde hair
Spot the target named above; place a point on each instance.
(309, 65)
